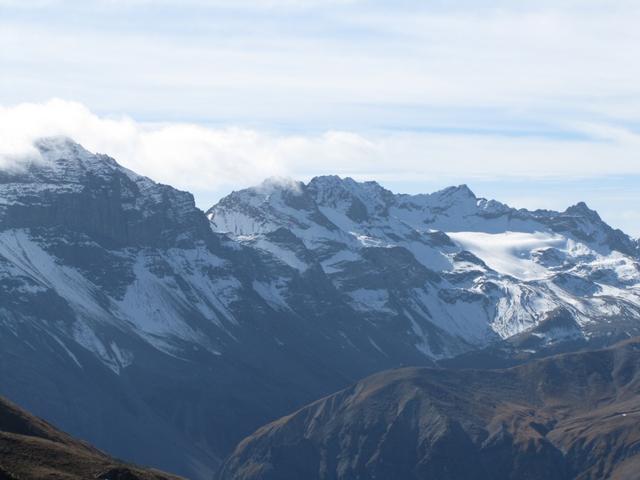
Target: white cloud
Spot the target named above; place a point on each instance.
(185, 155)
(198, 157)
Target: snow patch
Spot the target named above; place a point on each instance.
(272, 293)
(370, 300)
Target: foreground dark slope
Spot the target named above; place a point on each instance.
(32, 449)
(572, 416)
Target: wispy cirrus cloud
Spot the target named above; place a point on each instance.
(355, 65)
(211, 4)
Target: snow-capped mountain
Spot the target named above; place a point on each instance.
(456, 271)
(132, 320)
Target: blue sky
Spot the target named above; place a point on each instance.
(535, 103)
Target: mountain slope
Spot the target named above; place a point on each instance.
(572, 416)
(32, 449)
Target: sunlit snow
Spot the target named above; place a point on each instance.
(509, 252)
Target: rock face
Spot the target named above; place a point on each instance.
(132, 320)
(573, 416)
(32, 449)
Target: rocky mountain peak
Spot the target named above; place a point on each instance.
(585, 224)
(455, 195)
(582, 210)
(272, 192)
(70, 187)
(59, 146)
(458, 191)
(357, 199)
(333, 184)
(279, 184)
(67, 161)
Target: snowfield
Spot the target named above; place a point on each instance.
(509, 253)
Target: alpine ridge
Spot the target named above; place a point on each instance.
(176, 333)
(568, 417)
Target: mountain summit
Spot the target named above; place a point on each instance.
(74, 189)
